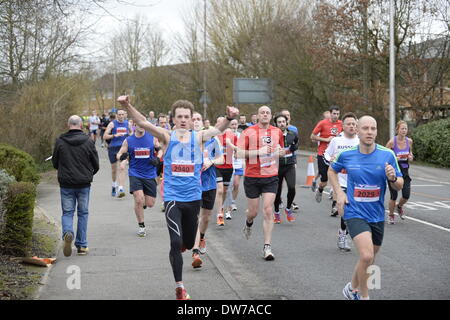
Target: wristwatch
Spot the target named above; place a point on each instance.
(392, 181)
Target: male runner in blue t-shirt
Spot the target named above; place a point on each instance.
(368, 166)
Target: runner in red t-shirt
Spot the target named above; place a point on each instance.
(261, 145)
(327, 129)
(224, 172)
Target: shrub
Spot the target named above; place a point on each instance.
(5, 181)
(432, 142)
(18, 164)
(17, 234)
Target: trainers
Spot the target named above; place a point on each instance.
(141, 232)
(314, 186)
(68, 238)
(162, 207)
(294, 206)
(391, 219)
(318, 196)
(228, 215)
(267, 253)
(350, 294)
(181, 294)
(289, 215)
(121, 193)
(247, 231)
(202, 246)
(334, 211)
(330, 196)
(400, 212)
(220, 221)
(347, 243)
(82, 251)
(113, 192)
(276, 218)
(343, 242)
(196, 261)
(233, 207)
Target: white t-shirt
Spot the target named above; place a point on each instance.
(93, 122)
(336, 146)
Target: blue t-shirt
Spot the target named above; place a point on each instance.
(142, 151)
(366, 181)
(211, 150)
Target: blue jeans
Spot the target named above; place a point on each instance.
(70, 198)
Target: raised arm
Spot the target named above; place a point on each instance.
(232, 113)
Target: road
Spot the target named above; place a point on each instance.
(414, 261)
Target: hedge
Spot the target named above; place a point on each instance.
(17, 234)
(19, 164)
(432, 142)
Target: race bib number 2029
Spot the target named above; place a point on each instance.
(366, 193)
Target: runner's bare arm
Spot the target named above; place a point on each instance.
(160, 133)
(319, 138)
(107, 135)
(411, 155)
(123, 149)
(232, 113)
(390, 144)
(341, 196)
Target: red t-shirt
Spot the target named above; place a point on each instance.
(227, 152)
(326, 128)
(254, 138)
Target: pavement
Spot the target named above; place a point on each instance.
(120, 265)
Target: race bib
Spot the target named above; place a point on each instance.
(288, 153)
(122, 130)
(182, 169)
(267, 160)
(142, 153)
(366, 193)
(237, 164)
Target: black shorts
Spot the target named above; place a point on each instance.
(208, 198)
(224, 175)
(254, 187)
(323, 165)
(112, 153)
(146, 185)
(94, 131)
(356, 226)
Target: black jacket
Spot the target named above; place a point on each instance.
(76, 159)
(291, 142)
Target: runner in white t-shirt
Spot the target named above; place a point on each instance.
(94, 122)
(346, 140)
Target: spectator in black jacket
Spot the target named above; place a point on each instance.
(76, 160)
(286, 168)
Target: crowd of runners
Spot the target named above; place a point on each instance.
(197, 168)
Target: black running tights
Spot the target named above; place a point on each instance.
(288, 173)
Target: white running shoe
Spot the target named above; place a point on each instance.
(347, 243)
(331, 194)
(349, 294)
(318, 196)
(267, 253)
(341, 240)
(141, 232)
(247, 231)
(233, 207)
(228, 215)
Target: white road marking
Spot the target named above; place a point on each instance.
(427, 185)
(424, 222)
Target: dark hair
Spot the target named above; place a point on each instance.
(182, 104)
(349, 115)
(278, 115)
(334, 108)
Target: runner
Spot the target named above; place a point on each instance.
(238, 169)
(345, 141)
(328, 129)
(94, 122)
(212, 155)
(104, 121)
(402, 147)
(286, 169)
(224, 173)
(369, 166)
(325, 115)
(117, 130)
(183, 161)
(242, 123)
(261, 145)
(140, 148)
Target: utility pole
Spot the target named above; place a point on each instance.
(391, 69)
(114, 77)
(205, 93)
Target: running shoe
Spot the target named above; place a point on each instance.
(233, 207)
(196, 261)
(334, 211)
(318, 196)
(267, 253)
(68, 238)
(121, 193)
(391, 219)
(276, 217)
(347, 243)
(162, 207)
(220, 221)
(350, 294)
(341, 240)
(141, 232)
(400, 212)
(113, 192)
(331, 194)
(247, 231)
(181, 294)
(314, 186)
(294, 206)
(202, 246)
(82, 251)
(289, 215)
(228, 215)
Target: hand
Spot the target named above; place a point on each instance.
(264, 151)
(207, 163)
(390, 171)
(341, 202)
(232, 112)
(124, 100)
(281, 151)
(410, 157)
